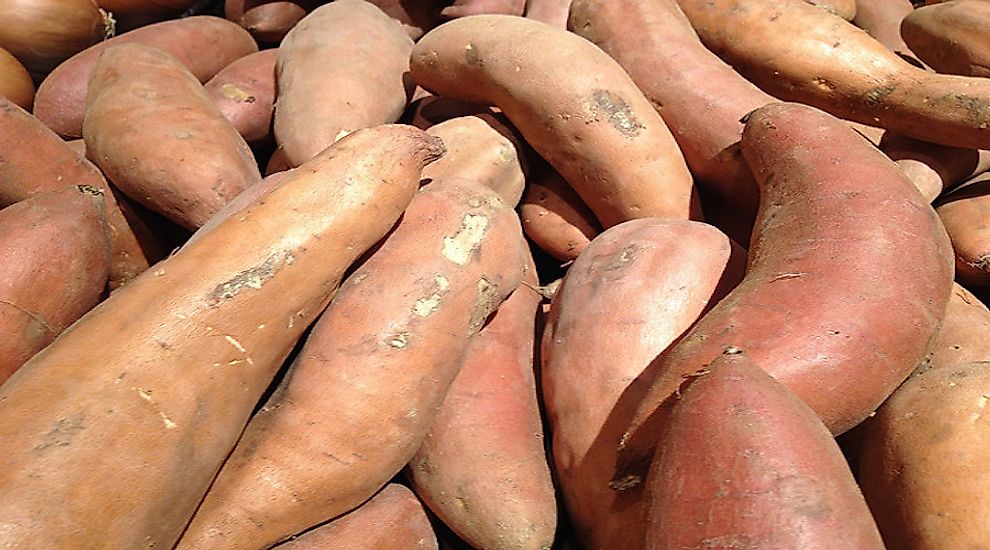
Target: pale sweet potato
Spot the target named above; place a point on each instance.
(464, 8)
(203, 43)
(115, 431)
(951, 37)
(553, 12)
(572, 103)
(159, 137)
(353, 49)
(829, 306)
(245, 93)
(363, 392)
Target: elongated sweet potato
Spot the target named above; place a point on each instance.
(115, 430)
(966, 215)
(364, 390)
(159, 137)
(240, 202)
(633, 291)
(881, 19)
(203, 43)
(15, 82)
(934, 168)
(951, 36)
(34, 159)
(826, 62)
(393, 519)
(745, 463)
(700, 97)
(482, 468)
(554, 217)
(828, 305)
(245, 93)
(477, 152)
(269, 23)
(352, 48)
(579, 110)
(56, 257)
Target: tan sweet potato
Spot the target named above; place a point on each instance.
(966, 215)
(554, 217)
(415, 16)
(828, 305)
(845, 9)
(42, 33)
(363, 392)
(159, 137)
(56, 257)
(951, 37)
(824, 61)
(269, 23)
(881, 19)
(34, 159)
(240, 202)
(579, 110)
(934, 168)
(482, 468)
(393, 519)
(115, 431)
(745, 463)
(633, 291)
(203, 43)
(15, 82)
(245, 93)
(352, 48)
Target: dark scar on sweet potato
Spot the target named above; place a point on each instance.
(620, 115)
(253, 278)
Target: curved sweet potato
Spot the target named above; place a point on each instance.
(579, 110)
(115, 431)
(269, 23)
(824, 61)
(352, 48)
(828, 305)
(554, 217)
(34, 159)
(482, 468)
(951, 37)
(393, 519)
(633, 291)
(15, 82)
(245, 93)
(966, 215)
(363, 392)
(159, 137)
(203, 43)
(56, 258)
(745, 463)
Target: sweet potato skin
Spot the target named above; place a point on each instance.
(964, 336)
(635, 289)
(933, 168)
(554, 217)
(393, 519)
(951, 36)
(881, 19)
(365, 388)
(189, 162)
(745, 463)
(966, 215)
(269, 23)
(56, 259)
(203, 43)
(835, 332)
(352, 48)
(16, 84)
(245, 93)
(580, 111)
(165, 373)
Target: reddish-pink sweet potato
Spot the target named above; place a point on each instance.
(245, 93)
(934, 168)
(269, 23)
(882, 20)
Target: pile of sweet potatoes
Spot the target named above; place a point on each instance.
(494, 274)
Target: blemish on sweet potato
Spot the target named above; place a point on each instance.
(63, 432)
(253, 278)
(876, 95)
(620, 115)
(458, 247)
(486, 302)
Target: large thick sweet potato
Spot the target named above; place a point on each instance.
(115, 431)
(829, 306)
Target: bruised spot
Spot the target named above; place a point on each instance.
(876, 95)
(620, 115)
(458, 247)
(253, 278)
(231, 91)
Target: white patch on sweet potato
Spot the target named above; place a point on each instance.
(428, 304)
(459, 247)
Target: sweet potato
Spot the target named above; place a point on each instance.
(352, 48)
(633, 291)
(427, 110)
(951, 37)
(745, 463)
(831, 64)
(363, 392)
(482, 468)
(579, 110)
(964, 336)
(115, 430)
(966, 215)
(700, 97)
(881, 19)
(829, 307)
(15, 82)
(269, 23)
(553, 12)
(934, 168)
(554, 217)
(34, 159)
(146, 7)
(159, 137)
(845, 9)
(415, 16)
(42, 33)
(477, 152)
(203, 43)
(240, 202)
(464, 8)
(393, 519)
(56, 257)
(245, 93)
